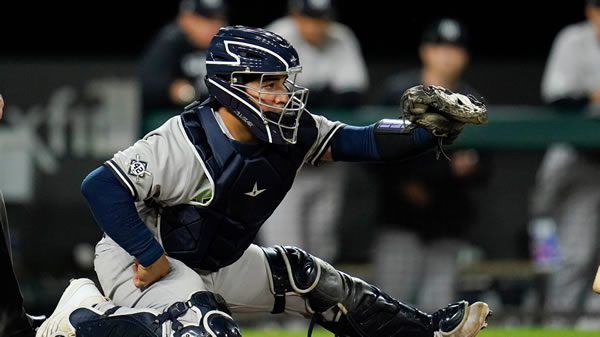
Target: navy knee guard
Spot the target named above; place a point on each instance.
(348, 306)
(215, 320)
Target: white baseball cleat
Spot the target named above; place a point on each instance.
(473, 321)
(80, 293)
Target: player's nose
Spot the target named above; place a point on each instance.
(282, 98)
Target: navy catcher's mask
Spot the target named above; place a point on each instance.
(238, 55)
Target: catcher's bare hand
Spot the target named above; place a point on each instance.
(145, 276)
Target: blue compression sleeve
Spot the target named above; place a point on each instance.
(361, 143)
(114, 209)
(355, 143)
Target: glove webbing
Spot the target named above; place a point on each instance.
(440, 150)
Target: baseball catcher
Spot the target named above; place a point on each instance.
(181, 209)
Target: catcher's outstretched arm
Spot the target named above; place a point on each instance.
(433, 115)
(388, 139)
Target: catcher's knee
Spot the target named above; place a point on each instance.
(213, 317)
(294, 271)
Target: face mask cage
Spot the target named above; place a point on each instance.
(283, 112)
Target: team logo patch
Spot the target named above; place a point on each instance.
(138, 168)
(255, 191)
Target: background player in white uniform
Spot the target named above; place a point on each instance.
(181, 207)
(327, 48)
(567, 189)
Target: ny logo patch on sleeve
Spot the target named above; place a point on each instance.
(138, 168)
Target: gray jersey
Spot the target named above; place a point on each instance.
(165, 167)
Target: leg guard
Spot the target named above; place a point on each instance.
(215, 320)
(348, 306)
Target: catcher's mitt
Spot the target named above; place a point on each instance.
(441, 111)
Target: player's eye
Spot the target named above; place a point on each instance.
(270, 85)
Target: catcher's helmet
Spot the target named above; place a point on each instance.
(239, 54)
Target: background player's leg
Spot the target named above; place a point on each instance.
(440, 274)
(578, 224)
(13, 320)
(398, 263)
(307, 215)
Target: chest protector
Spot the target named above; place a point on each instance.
(249, 183)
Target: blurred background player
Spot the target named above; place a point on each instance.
(444, 55)
(334, 70)
(567, 191)
(333, 66)
(425, 206)
(171, 69)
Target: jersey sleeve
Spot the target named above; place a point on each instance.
(325, 131)
(161, 166)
